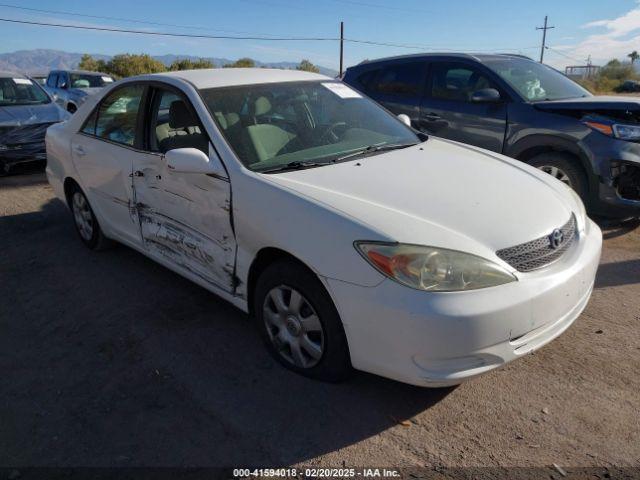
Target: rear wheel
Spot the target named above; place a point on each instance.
(299, 323)
(86, 222)
(565, 168)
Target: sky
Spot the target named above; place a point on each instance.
(600, 29)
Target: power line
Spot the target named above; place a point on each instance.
(129, 20)
(168, 34)
(557, 52)
(428, 47)
(230, 37)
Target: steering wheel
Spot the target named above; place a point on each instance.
(330, 132)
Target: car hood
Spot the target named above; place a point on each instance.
(597, 102)
(440, 193)
(17, 115)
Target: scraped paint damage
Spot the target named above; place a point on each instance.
(185, 247)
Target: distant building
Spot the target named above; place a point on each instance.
(579, 72)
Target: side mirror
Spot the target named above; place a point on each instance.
(405, 119)
(192, 160)
(486, 95)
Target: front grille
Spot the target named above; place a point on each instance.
(540, 252)
(22, 134)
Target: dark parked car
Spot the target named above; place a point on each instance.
(26, 111)
(71, 88)
(629, 86)
(521, 108)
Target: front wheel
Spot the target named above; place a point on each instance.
(564, 168)
(299, 322)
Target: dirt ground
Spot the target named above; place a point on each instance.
(108, 359)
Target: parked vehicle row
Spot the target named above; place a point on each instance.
(512, 105)
(352, 239)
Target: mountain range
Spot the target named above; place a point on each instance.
(43, 60)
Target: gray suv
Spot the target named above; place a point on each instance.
(70, 88)
(523, 109)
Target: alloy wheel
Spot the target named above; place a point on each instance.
(293, 326)
(557, 173)
(82, 215)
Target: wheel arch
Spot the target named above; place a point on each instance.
(264, 258)
(69, 186)
(530, 147)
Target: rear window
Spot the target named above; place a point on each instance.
(399, 79)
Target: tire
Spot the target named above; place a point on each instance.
(315, 326)
(565, 168)
(86, 222)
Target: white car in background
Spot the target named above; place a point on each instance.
(353, 241)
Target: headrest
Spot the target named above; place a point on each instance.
(81, 83)
(262, 106)
(180, 116)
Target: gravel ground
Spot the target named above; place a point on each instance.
(108, 359)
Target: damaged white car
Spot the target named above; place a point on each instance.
(354, 242)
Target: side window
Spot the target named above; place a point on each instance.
(118, 114)
(450, 81)
(173, 125)
(62, 80)
(366, 79)
(400, 79)
(89, 126)
(52, 80)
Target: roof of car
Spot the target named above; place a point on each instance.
(226, 77)
(480, 57)
(81, 72)
(5, 74)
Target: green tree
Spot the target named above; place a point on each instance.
(242, 63)
(187, 64)
(307, 66)
(87, 62)
(633, 56)
(127, 65)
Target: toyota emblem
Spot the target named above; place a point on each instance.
(556, 238)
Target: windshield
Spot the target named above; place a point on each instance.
(535, 81)
(84, 80)
(20, 91)
(278, 124)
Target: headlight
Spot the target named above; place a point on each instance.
(627, 132)
(433, 269)
(616, 130)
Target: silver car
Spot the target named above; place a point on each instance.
(70, 88)
(26, 111)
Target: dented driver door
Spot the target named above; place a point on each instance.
(185, 219)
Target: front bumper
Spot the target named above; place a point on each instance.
(616, 191)
(27, 152)
(439, 339)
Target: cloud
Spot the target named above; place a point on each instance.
(620, 37)
(620, 26)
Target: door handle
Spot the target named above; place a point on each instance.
(432, 117)
(78, 150)
(138, 173)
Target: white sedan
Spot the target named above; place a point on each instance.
(353, 241)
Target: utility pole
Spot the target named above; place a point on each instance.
(341, 47)
(544, 37)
